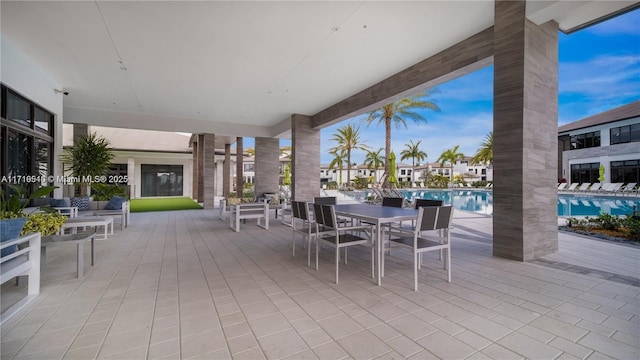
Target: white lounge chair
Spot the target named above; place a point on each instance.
(584, 187)
(595, 187)
(572, 187)
(629, 188)
(617, 187)
(562, 186)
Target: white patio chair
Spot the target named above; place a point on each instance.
(339, 237)
(435, 220)
(562, 186)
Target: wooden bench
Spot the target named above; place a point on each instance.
(23, 262)
(259, 211)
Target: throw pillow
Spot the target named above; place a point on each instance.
(82, 203)
(59, 203)
(115, 203)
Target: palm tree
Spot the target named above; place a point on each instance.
(398, 112)
(90, 156)
(285, 151)
(338, 162)
(484, 154)
(374, 160)
(414, 153)
(450, 156)
(348, 139)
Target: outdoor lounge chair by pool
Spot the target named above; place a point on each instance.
(562, 186)
(629, 188)
(572, 187)
(595, 187)
(584, 187)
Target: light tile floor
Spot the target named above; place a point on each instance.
(182, 285)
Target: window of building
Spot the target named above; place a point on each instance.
(586, 140)
(117, 173)
(161, 180)
(625, 171)
(581, 173)
(402, 172)
(248, 167)
(625, 134)
(26, 147)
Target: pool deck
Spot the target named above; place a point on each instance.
(182, 285)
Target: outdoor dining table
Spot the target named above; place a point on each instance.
(377, 215)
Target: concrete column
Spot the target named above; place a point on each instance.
(208, 169)
(200, 166)
(305, 159)
(267, 166)
(239, 167)
(226, 171)
(194, 171)
(134, 191)
(525, 220)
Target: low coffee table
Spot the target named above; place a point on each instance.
(89, 221)
(79, 238)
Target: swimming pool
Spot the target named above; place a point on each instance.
(481, 202)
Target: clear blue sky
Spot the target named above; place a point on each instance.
(599, 69)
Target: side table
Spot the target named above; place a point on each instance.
(79, 238)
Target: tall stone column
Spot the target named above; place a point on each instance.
(209, 166)
(195, 170)
(305, 161)
(267, 166)
(226, 171)
(200, 167)
(525, 219)
(239, 167)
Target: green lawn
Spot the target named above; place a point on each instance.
(163, 204)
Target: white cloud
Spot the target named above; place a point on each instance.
(605, 77)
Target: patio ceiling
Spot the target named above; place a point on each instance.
(240, 68)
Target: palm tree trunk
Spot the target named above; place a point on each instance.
(413, 170)
(348, 167)
(387, 150)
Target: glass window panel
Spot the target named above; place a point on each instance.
(19, 154)
(630, 174)
(18, 109)
(624, 134)
(615, 135)
(588, 140)
(596, 138)
(574, 142)
(635, 132)
(161, 180)
(616, 163)
(42, 120)
(42, 161)
(580, 141)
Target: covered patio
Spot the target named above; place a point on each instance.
(184, 285)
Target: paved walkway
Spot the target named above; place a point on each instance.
(182, 285)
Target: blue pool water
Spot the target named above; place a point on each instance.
(568, 205)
